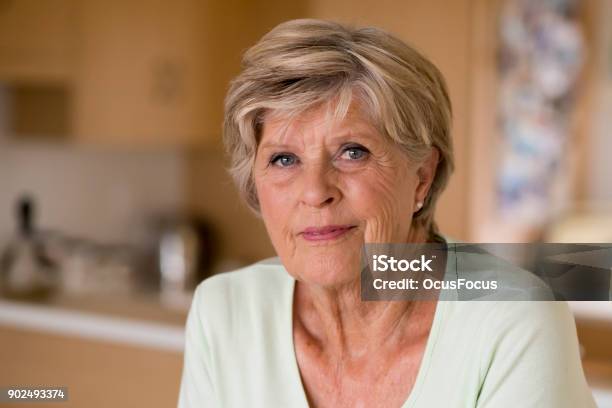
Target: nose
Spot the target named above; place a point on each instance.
(319, 187)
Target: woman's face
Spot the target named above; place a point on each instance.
(325, 188)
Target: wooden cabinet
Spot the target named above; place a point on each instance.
(136, 73)
(141, 77)
(37, 40)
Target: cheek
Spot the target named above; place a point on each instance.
(276, 206)
(271, 201)
(275, 190)
(381, 198)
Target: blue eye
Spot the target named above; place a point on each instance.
(283, 160)
(355, 152)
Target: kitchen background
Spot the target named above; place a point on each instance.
(114, 200)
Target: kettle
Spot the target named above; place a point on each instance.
(185, 256)
(26, 268)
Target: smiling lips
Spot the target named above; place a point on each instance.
(325, 233)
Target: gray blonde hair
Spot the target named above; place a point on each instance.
(301, 64)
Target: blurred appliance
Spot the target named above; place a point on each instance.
(93, 268)
(185, 257)
(26, 269)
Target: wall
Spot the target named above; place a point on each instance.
(243, 238)
(599, 186)
(103, 195)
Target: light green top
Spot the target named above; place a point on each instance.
(239, 350)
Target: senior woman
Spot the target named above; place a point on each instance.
(340, 137)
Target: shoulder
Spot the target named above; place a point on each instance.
(223, 335)
(268, 276)
(524, 320)
(530, 349)
(232, 302)
(540, 323)
(534, 324)
(508, 336)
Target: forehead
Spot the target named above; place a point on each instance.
(322, 121)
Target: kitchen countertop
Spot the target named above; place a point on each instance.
(141, 320)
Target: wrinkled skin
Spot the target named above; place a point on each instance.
(334, 173)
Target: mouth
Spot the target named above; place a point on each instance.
(326, 233)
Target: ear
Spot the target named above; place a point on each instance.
(426, 173)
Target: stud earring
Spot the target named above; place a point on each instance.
(419, 205)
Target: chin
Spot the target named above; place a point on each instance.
(329, 267)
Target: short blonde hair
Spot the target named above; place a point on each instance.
(301, 64)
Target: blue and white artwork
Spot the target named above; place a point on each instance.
(540, 57)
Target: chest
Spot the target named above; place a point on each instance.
(377, 378)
